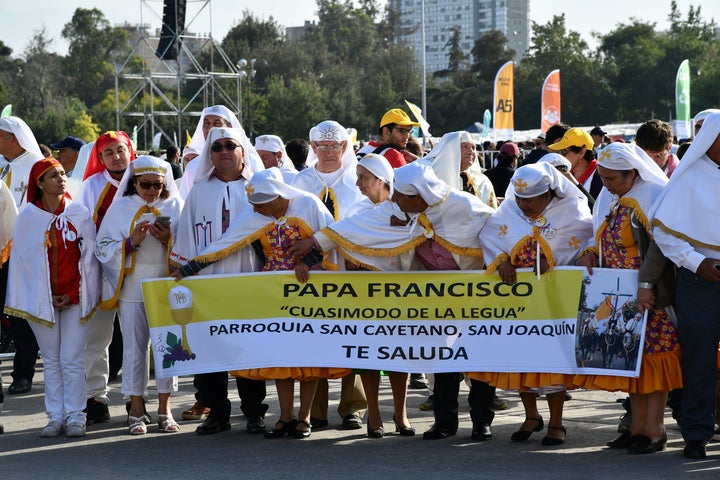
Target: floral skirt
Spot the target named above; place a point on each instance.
(296, 373)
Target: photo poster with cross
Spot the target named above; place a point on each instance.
(610, 333)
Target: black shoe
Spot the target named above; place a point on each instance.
(417, 381)
(301, 434)
(19, 386)
(212, 424)
(2, 429)
(375, 432)
(522, 435)
(255, 425)
(644, 444)
(481, 432)
(694, 450)
(402, 430)
(437, 432)
(282, 428)
(318, 423)
(352, 422)
(623, 441)
(96, 412)
(552, 441)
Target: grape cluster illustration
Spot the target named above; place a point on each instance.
(177, 353)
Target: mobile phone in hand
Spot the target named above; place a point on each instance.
(163, 220)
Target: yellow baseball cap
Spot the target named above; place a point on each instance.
(575, 137)
(398, 117)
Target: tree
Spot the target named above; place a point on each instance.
(94, 47)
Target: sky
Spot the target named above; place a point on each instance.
(20, 20)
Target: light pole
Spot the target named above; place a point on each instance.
(246, 70)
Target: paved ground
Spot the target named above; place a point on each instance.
(591, 420)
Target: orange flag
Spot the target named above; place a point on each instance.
(550, 101)
(605, 309)
(503, 119)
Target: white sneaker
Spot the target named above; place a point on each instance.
(75, 429)
(716, 435)
(53, 429)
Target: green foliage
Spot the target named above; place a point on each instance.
(349, 68)
(83, 127)
(94, 47)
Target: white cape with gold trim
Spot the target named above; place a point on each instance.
(29, 293)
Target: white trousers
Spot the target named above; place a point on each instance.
(62, 348)
(136, 352)
(97, 362)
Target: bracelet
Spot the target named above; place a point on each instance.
(647, 285)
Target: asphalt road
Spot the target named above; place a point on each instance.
(109, 452)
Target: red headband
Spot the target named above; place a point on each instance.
(95, 165)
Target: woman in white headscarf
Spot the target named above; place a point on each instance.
(632, 182)
(132, 245)
(55, 284)
(544, 223)
(272, 152)
(375, 177)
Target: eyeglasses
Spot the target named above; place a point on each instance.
(327, 148)
(218, 147)
(149, 185)
(403, 131)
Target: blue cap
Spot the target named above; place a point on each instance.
(72, 142)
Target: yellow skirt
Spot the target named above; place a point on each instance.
(526, 382)
(658, 372)
(296, 373)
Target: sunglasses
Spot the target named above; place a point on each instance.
(218, 147)
(149, 185)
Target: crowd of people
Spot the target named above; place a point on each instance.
(78, 238)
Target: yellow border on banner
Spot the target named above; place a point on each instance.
(443, 295)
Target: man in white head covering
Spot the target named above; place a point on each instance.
(218, 195)
(272, 152)
(331, 175)
(685, 229)
(18, 152)
(331, 169)
(211, 117)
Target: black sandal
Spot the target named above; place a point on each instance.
(300, 434)
(285, 427)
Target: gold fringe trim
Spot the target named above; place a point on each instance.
(357, 262)
(637, 213)
(90, 315)
(682, 236)
(329, 191)
(447, 193)
(492, 268)
(464, 251)
(371, 252)
(14, 312)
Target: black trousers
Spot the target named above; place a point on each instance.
(445, 400)
(213, 392)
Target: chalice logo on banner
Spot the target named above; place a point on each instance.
(181, 311)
